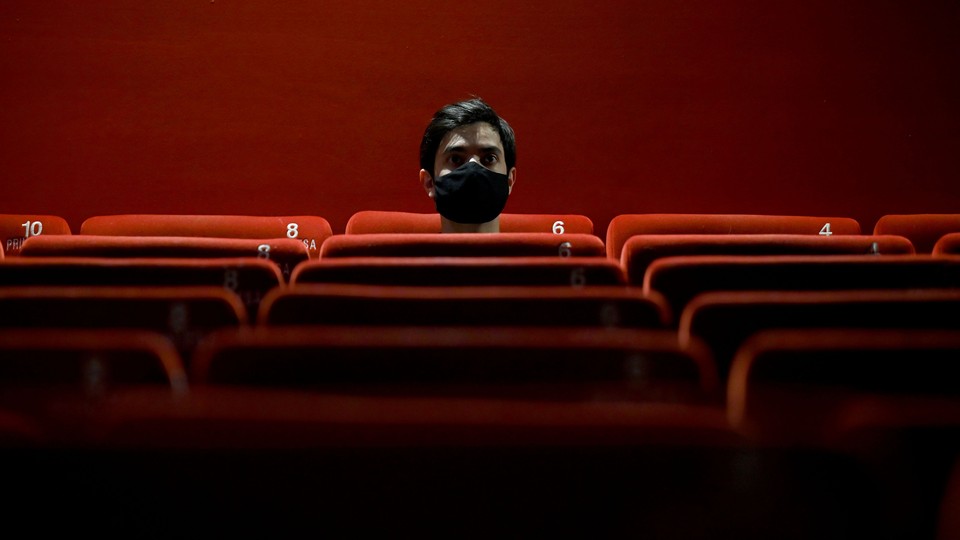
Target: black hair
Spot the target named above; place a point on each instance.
(459, 114)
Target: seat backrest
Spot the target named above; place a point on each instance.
(461, 361)
(680, 279)
(456, 271)
(462, 306)
(923, 230)
(310, 230)
(287, 253)
(624, 226)
(724, 320)
(248, 278)
(641, 250)
(88, 360)
(17, 228)
(463, 245)
(380, 222)
(792, 383)
(949, 244)
(183, 314)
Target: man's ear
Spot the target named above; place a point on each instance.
(427, 181)
(511, 178)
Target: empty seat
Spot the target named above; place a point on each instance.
(16, 228)
(641, 250)
(90, 361)
(624, 226)
(680, 279)
(923, 230)
(453, 306)
(790, 384)
(463, 245)
(379, 222)
(183, 314)
(724, 320)
(233, 460)
(249, 278)
(910, 445)
(553, 363)
(285, 252)
(311, 230)
(572, 271)
(949, 244)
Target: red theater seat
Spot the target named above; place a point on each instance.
(285, 252)
(452, 271)
(249, 278)
(922, 229)
(234, 460)
(680, 279)
(528, 363)
(462, 306)
(624, 226)
(463, 245)
(310, 230)
(641, 250)
(87, 360)
(949, 244)
(379, 222)
(724, 320)
(911, 446)
(16, 228)
(790, 385)
(183, 314)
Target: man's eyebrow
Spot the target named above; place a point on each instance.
(464, 148)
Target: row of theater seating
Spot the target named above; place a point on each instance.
(924, 231)
(722, 319)
(755, 376)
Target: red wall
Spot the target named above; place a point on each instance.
(304, 107)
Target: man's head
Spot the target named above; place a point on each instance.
(464, 132)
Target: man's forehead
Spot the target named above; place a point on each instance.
(478, 134)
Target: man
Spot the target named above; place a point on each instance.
(467, 159)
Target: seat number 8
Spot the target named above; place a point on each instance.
(293, 230)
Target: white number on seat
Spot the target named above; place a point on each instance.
(825, 231)
(263, 251)
(32, 228)
(178, 317)
(292, 230)
(565, 250)
(231, 279)
(558, 227)
(578, 277)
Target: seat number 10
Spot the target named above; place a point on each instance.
(32, 228)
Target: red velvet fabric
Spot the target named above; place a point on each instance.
(462, 245)
(949, 244)
(286, 253)
(792, 385)
(378, 222)
(680, 279)
(624, 226)
(923, 230)
(420, 271)
(459, 361)
(86, 360)
(15, 229)
(640, 251)
(453, 306)
(311, 230)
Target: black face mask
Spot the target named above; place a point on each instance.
(471, 193)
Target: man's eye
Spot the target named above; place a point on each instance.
(456, 160)
(490, 159)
